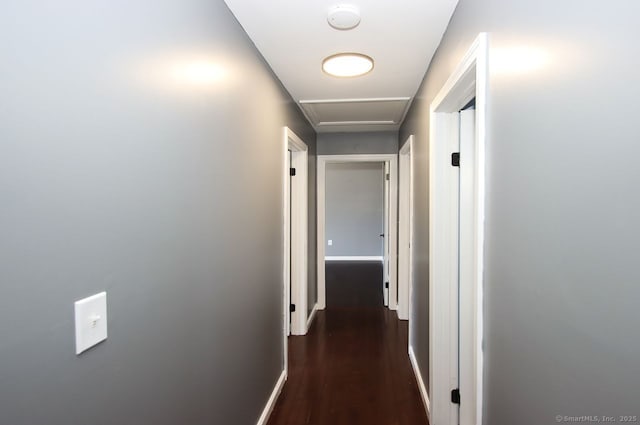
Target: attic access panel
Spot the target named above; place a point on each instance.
(382, 111)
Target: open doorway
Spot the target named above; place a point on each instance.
(386, 240)
(354, 229)
(295, 197)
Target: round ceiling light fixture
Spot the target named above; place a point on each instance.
(344, 17)
(347, 65)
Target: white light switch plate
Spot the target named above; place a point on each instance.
(91, 321)
(330, 242)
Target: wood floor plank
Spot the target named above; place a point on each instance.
(352, 367)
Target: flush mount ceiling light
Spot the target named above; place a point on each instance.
(343, 17)
(347, 65)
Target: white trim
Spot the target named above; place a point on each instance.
(286, 240)
(268, 408)
(322, 161)
(312, 316)
(325, 123)
(354, 258)
(405, 229)
(294, 143)
(320, 230)
(469, 80)
(386, 272)
(299, 234)
(466, 260)
(423, 390)
(358, 100)
(393, 233)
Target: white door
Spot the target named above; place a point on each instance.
(461, 200)
(295, 271)
(454, 277)
(405, 231)
(385, 237)
(288, 244)
(465, 258)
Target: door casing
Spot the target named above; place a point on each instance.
(469, 80)
(405, 230)
(386, 270)
(295, 271)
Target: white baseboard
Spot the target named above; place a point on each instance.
(421, 387)
(312, 316)
(272, 399)
(354, 258)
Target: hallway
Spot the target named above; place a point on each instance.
(352, 367)
(150, 212)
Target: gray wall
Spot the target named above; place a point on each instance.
(561, 277)
(118, 174)
(354, 208)
(357, 143)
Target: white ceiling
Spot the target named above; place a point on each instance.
(400, 35)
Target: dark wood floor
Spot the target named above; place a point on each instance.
(353, 284)
(352, 368)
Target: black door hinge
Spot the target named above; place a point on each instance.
(387, 177)
(455, 159)
(292, 308)
(386, 285)
(455, 396)
(292, 171)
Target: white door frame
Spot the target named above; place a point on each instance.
(296, 234)
(392, 160)
(468, 81)
(386, 224)
(405, 230)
